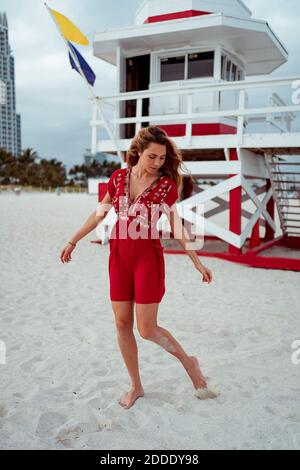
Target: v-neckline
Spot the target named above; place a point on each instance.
(141, 194)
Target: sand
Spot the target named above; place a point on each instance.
(64, 372)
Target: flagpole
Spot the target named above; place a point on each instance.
(94, 97)
(74, 57)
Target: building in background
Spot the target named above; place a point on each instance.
(10, 122)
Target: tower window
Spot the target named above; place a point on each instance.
(201, 64)
(228, 68)
(172, 68)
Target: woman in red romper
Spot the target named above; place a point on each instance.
(140, 194)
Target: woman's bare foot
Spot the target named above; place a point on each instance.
(128, 399)
(202, 390)
(195, 373)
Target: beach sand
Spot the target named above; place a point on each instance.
(64, 372)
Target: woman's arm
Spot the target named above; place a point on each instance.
(180, 233)
(94, 219)
(90, 224)
(182, 237)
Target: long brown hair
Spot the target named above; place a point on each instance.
(173, 161)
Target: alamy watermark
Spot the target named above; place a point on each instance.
(134, 222)
(295, 357)
(2, 353)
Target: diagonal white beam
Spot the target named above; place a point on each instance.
(260, 204)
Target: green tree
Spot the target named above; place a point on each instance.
(7, 166)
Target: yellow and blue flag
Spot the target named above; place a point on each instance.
(68, 29)
(86, 69)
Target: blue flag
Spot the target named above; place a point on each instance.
(88, 72)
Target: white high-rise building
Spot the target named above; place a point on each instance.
(10, 122)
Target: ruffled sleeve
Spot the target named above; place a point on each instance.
(172, 194)
(111, 185)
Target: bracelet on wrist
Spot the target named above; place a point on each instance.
(73, 244)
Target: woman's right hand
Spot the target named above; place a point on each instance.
(65, 255)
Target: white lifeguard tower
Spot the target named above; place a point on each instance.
(188, 67)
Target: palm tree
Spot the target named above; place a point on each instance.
(7, 166)
(52, 173)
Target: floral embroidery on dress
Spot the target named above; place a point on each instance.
(116, 182)
(147, 207)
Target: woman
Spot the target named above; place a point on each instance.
(140, 193)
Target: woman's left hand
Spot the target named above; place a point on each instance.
(206, 273)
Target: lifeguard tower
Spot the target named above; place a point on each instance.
(201, 70)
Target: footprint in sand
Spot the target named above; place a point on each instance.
(98, 403)
(48, 423)
(68, 433)
(270, 410)
(67, 443)
(99, 369)
(160, 397)
(27, 366)
(3, 411)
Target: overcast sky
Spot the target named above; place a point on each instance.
(52, 98)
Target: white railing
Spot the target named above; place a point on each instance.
(276, 112)
(285, 119)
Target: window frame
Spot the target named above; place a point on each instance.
(156, 56)
(234, 61)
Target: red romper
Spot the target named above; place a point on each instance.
(136, 260)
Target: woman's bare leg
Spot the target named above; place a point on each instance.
(124, 320)
(146, 315)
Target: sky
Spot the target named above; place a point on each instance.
(52, 98)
